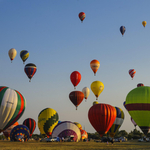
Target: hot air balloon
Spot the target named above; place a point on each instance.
(95, 102)
(86, 92)
(138, 106)
(94, 64)
(8, 130)
(31, 124)
(132, 73)
(140, 84)
(20, 133)
(12, 107)
(117, 123)
(75, 78)
(82, 16)
(84, 134)
(133, 122)
(30, 70)
(47, 120)
(67, 129)
(144, 23)
(78, 125)
(97, 87)
(24, 54)
(122, 30)
(12, 54)
(102, 117)
(76, 97)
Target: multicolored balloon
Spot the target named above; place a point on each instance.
(94, 64)
(138, 106)
(76, 97)
(12, 54)
(132, 73)
(20, 133)
(97, 88)
(30, 69)
(82, 16)
(31, 124)
(84, 134)
(24, 54)
(86, 92)
(66, 129)
(117, 123)
(75, 78)
(140, 84)
(12, 106)
(144, 23)
(95, 102)
(102, 117)
(122, 30)
(47, 120)
(78, 125)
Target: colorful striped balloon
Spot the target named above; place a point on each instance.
(138, 106)
(31, 124)
(94, 64)
(117, 123)
(30, 70)
(24, 54)
(132, 73)
(12, 106)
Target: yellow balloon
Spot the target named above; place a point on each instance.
(95, 102)
(97, 87)
(144, 23)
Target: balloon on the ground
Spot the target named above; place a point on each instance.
(102, 117)
(12, 54)
(24, 54)
(67, 129)
(20, 133)
(30, 69)
(122, 30)
(134, 123)
(144, 23)
(8, 130)
(78, 125)
(117, 123)
(12, 106)
(75, 78)
(138, 106)
(97, 88)
(76, 97)
(82, 16)
(94, 64)
(86, 92)
(47, 120)
(31, 124)
(132, 73)
(84, 134)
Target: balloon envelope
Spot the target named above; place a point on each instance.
(47, 120)
(102, 117)
(138, 106)
(140, 84)
(97, 88)
(122, 30)
(24, 54)
(144, 23)
(94, 64)
(76, 97)
(95, 102)
(82, 16)
(84, 134)
(133, 122)
(12, 106)
(75, 78)
(12, 53)
(132, 73)
(67, 129)
(86, 92)
(78, 125)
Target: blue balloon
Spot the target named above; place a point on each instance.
(122, 30)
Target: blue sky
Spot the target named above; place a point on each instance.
(59, 44)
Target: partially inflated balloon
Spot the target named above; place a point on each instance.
(78, 125)
(94, 64)
(75, 78)
(122, 30)
(132, 73)
(138, 106)
(84, 134)
(47, 120)
(76, 97)
(144, 23)
(12, 53)
(24, 54)
(117, 123)
(97, 87)
(86, 92)
(102, 117)
(12, 106)
(82, 16)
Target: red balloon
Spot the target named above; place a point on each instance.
(82, 16)
(132, 73)
(102, 117)
(76, 97)
(75, 78)
(140, 84)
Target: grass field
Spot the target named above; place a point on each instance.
(33, 145)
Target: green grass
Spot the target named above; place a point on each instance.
(33, 145)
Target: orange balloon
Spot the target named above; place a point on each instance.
(95, 64)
